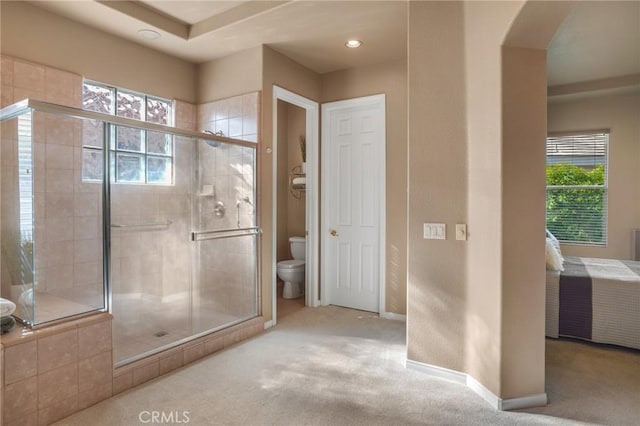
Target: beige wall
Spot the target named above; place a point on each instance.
(436, 303)
(296, 207)
(282, 250)
(619, 113)
(389, 78)
(477, 306)
(232, 75)
(285, 73)
(291, 210)
(34, 34)
(524, 87)
(483, 288)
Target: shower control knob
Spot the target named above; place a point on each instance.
(219, 210)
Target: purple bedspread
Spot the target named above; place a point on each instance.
(576, 313)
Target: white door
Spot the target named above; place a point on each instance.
(353, 184)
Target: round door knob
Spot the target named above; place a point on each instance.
(334, 232)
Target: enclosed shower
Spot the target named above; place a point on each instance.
(164, 238)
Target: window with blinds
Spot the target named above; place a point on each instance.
(577, 166)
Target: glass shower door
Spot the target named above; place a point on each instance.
(225, 236)
(151, 254)
(183, 250)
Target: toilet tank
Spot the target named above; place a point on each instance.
(298, 247)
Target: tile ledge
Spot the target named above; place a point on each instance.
(22, 334)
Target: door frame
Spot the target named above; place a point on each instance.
(311, 211)
(327, 109)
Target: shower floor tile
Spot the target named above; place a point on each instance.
(141, 325)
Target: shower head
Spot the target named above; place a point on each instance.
(213, 144)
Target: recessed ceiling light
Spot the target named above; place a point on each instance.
(149, 34)
(352, 44)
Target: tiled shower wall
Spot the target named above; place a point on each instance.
(68, 241)
(227, 269)
(154, 262)
(68, 211)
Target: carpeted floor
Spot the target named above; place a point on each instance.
(336, 366)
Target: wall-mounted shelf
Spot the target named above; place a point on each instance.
(297, 182)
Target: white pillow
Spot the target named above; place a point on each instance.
(555, 242)
(554, 260)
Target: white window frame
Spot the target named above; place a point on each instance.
(604, 187)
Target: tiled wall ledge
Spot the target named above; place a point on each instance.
(156, 365)
(55, 371)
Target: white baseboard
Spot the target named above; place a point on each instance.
(268, 324)
(537, 400)
(528, 401)
(485, 393)
(392, 316)
(440, 372)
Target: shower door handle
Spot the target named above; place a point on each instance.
(333, 233)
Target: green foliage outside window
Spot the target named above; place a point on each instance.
(576, 214)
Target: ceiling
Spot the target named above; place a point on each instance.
(311, 33)
(598, 40)
(191, 12)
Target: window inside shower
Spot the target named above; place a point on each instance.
(138, 156)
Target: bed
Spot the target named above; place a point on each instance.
(596, 300)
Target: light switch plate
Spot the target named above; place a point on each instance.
(435, 231)
(461, 231)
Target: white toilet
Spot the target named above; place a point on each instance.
(292, 271)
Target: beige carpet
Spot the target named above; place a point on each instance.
(335, 366)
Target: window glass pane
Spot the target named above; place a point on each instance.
(138, 156)
(577, 215)
(159, 170)
(158, 111)
(130, 105)
(92, 164)
(158, 143)
(92, 133)
(97, 98)
(129, 139)
(586, 152)
(129, 168)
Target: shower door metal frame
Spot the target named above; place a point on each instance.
(23, 106)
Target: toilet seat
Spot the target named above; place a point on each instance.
(291, 264)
